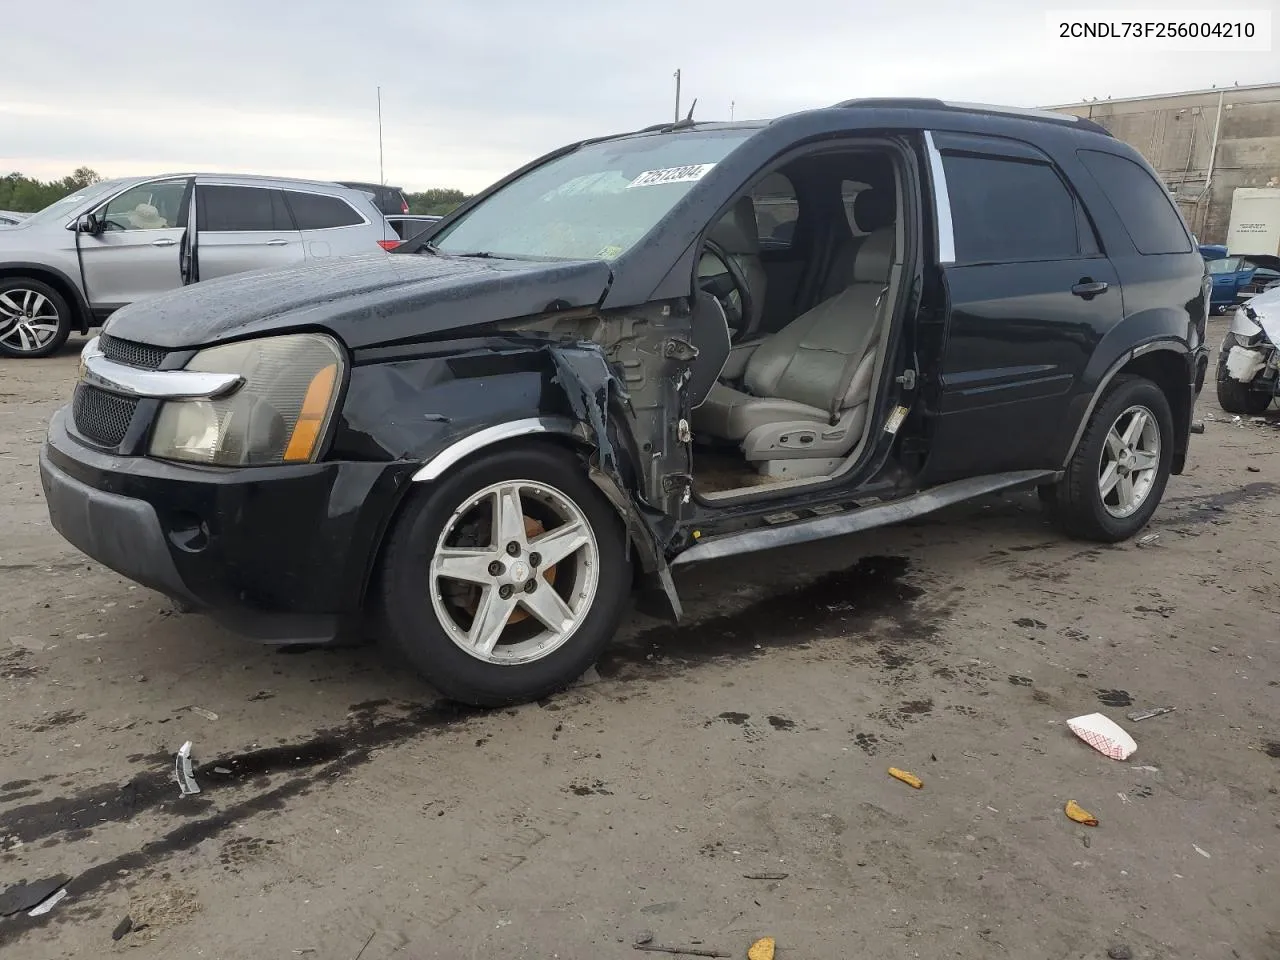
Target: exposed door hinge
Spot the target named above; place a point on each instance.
(908, 379)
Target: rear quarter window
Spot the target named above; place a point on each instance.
(313, 211)
(1145, 208)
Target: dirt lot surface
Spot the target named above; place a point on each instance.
(344, 813)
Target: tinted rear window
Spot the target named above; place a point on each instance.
(1005, 210)
(1149, 216)
(313, 211)
(239, 209)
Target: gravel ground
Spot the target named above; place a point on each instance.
(344, 810)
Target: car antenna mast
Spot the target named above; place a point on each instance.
(688, 120)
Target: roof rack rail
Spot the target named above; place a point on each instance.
(928, 103)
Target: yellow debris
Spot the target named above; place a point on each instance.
(1080, 815)
(910, 779)
(762, 949)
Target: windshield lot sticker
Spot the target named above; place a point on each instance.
(649, 178)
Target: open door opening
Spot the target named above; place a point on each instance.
(809, 269)
(189, 250)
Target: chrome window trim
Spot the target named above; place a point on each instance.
(941, 204)
(120, 378)
(435, 468)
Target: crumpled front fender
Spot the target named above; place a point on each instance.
(595, 396)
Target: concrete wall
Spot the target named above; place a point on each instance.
(1175, 134)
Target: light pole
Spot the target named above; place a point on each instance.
(731, 106)
(382, 177)
(677, 76)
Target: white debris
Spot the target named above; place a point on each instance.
(46, 905)
(1243, 364)
(1104, 735)
(182, 771)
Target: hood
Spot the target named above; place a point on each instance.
(1261, 312)
(1254, 260)
(364, 301)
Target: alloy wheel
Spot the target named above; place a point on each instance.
(514, 573)
(1130, 462)
(28, 320)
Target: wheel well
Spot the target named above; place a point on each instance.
(69, 293)
(568, 444)
(1168, 371)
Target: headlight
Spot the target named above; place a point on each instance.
(278, 415)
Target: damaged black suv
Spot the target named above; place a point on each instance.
(698, 340)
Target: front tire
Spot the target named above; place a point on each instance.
(503, 582)
(35, 319)
(1236, 397)
(1121, 467)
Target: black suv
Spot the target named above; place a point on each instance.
(596, 371)
(390, 200)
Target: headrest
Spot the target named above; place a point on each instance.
(736, 231)
(873, 209)
(875, 256)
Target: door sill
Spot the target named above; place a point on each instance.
(857, 518)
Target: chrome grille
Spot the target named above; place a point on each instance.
(102, 417)
(134, 354)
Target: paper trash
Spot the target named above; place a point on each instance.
(1104, 735)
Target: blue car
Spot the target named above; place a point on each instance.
(1237, 278)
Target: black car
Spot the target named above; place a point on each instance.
(390, 200)
(595, 372)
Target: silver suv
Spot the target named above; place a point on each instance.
(71, 265)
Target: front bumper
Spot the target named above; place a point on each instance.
(1256, 364)
(282, 554)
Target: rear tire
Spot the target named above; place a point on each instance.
(516, 625)
(35, 319)
(1121, 467)
(1236, 397)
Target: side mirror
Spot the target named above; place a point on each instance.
(87, 223)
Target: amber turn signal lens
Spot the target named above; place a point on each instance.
(306, 432)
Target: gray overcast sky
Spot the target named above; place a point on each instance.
(472, 90)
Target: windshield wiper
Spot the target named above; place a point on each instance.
(481, 254)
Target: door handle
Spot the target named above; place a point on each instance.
(166, 242)
(277, 243)
(1089, 288)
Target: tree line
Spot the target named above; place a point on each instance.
(26, 194)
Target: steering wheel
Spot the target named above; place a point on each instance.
(724, 285)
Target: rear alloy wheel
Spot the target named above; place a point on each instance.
(503, 582)
(1121, 467)
(34, 319)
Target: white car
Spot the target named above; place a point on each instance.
(74, 263)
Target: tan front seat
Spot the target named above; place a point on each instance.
(806, 389)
